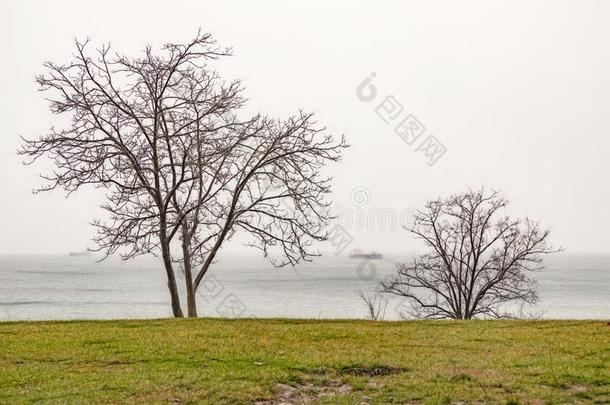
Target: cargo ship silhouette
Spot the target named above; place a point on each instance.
(359, 254)
(77, 254)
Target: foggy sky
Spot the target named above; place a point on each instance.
(517, 91)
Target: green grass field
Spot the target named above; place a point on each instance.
(292, 361)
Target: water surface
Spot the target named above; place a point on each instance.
(62, 287)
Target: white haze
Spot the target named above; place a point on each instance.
(517, 91)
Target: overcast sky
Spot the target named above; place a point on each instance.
(517, 92)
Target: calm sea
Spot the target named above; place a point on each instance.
(62, 287)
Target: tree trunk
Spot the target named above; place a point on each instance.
(171, 282)
(191, 297)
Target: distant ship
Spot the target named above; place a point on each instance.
(77, 254)
(359, 254)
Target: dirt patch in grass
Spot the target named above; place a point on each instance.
(461, 377)
(575, 388)
(371, 371)
(304, 393)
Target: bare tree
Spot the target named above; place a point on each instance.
(160, 134)
(266, 183)
(375, 304)
(478, 259)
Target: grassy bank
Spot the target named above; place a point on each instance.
(269, 361)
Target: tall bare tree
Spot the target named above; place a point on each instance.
(160, 133)
(268, 185)
(478, 259)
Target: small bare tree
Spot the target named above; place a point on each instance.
(478, 259)
(375, 304)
